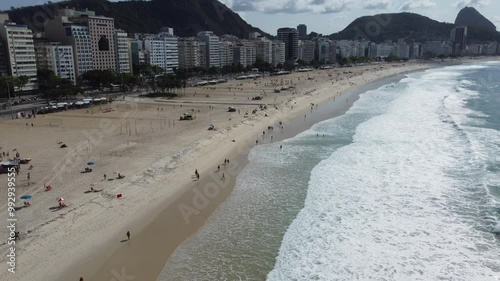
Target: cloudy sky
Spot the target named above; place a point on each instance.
(329, 16)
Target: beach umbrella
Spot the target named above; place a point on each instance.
(90, 163)
(26, 197)
(60, 199)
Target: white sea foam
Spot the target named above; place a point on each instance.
(401, 202)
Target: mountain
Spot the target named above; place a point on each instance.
(471, 17)
(187, 17)
(383, 27)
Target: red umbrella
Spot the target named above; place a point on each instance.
(60, 199)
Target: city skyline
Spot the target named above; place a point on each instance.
(330, 16)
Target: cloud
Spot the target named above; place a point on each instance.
(377, 4)
(471, 3)
(417, 4)
(289, 6)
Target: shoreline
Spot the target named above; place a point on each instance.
(85, 239)
(145, 257)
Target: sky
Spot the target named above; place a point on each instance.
(330, 16)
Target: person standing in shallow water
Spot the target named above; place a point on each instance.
(128, 235)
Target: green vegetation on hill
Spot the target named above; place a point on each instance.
(187, 17)
(383, 27)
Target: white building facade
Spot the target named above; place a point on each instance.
(58, 58)
(278, 53)
(162, 50)
(123, 56)
(212, 43)
(20, 51)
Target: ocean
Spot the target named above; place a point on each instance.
(404, 186)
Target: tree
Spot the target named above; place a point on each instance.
(99, 78)
(302, 63)
(20, 82)
(6, 85)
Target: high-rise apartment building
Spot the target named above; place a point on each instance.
(189, 49)
(123, 56)
(20, 51)
(61, 29)
(278, 53)
(290, 37)
(202, 54)
(58, 58)
(458, 38)
(213, 48)
(333, 51)
(3, 60)
(226, 53)
(306, 50)
(264, 50)
(323, 50)
(138, 53)
(302, 29)
(162, 50)
(102, 36)
(245, 54)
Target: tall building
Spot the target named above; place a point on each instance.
(138, 53)
(290, 37)
(323, 50)
(61, 29)
(401, 50)
(332, 57)
(382, 50)
(458, 38)
(302, 29)
(20, 51)
(226, 53)
(202, 54)
(436, 48)
(123, 56)
(58, 58)
(162, 50)
(306, 50)
(3, 60)
(102, 36)
(278, 53)
(213, 48)
(189, 56)
(264, 50)
(245, 54)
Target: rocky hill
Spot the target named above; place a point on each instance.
(187, 17)
(471, 17)
(383, 27)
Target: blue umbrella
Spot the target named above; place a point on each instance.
(26, 197)
(90, 163)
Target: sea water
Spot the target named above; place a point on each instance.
(404, 186)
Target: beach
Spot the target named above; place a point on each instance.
(143, 139)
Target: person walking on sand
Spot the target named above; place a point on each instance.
(104, 176)
(223, 177)
(128, 235)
